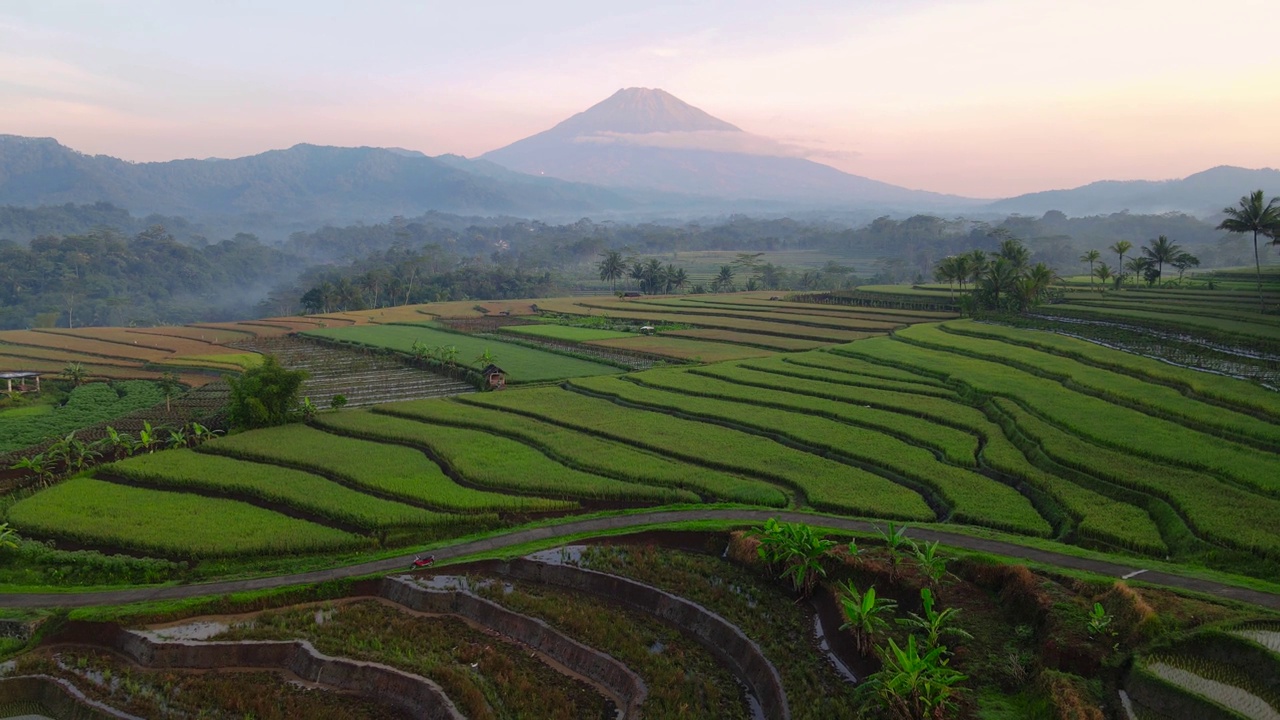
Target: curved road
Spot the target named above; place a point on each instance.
(575, 527)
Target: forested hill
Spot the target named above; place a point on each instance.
(307, 184)
(22, 224)
(1203, 194)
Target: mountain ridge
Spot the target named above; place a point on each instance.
(1203, 194)
(646, 138)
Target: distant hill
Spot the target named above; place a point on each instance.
(648, 138)
(1203, 194)
(305, 183)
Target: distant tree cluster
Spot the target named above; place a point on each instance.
(1004, 281)
(104, 278)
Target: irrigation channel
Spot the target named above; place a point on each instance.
(644, 520)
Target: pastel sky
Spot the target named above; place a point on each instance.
(977, 97)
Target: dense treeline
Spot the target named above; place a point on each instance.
(112, 273)
(105, 278)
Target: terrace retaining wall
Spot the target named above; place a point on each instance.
(740, 654)
(628, 689)
(414, 695)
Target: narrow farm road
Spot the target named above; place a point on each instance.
(575, 527)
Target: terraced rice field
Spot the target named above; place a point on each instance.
(566, 332)
(102, 514)
(383, 469)
(1025, 432)
(522, 364)
(683, 348)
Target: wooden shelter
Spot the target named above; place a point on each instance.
(494, 377)
(22, 378)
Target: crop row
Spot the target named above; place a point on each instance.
(1207, 385)
(973, 498)
(87, 405)
(171, 524)
(749, 339)
(188, 470)
(130, 340)
(1090, 417)
(392, 470)
(828, 485)
(497, 462)
(723, 382)
(816, 321)
(1180, 322)
(1216, 510)
(808, 308)
(1241, 312)
(682, 348)
(816, 367)
(1098, 516)
(1155, 399)
(762, 327)
(802, 312)
(1189, 673)
(861, 369)
(522, 364)
(565, 332)
(593, 454)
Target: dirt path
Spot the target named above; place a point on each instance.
(997, 547)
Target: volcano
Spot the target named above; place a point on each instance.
(643, 138)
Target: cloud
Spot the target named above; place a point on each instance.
(717, 141)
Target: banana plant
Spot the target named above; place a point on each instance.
(39, 465)
(895, 539)
(798, 549)
(913, 685)
(149, 438)
(8, 537)
(200, 433)
(120, 442)
(933, 564)
(177, 438)
(1099, 620)
(933, 625)
(865, 614)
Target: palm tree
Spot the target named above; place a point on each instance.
(1138, 266)
(1036, 283)
(964, 269)
(654, 276)
(1252, 216)
(1160, 251)
(977, 265)
(1120, 248)
(1000, 276)
(948, 271)
(1015, 252)
(864, 614)
(679, 279)
(1091, 257)
(723, 281)
(1103, 273)
(612, 268)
